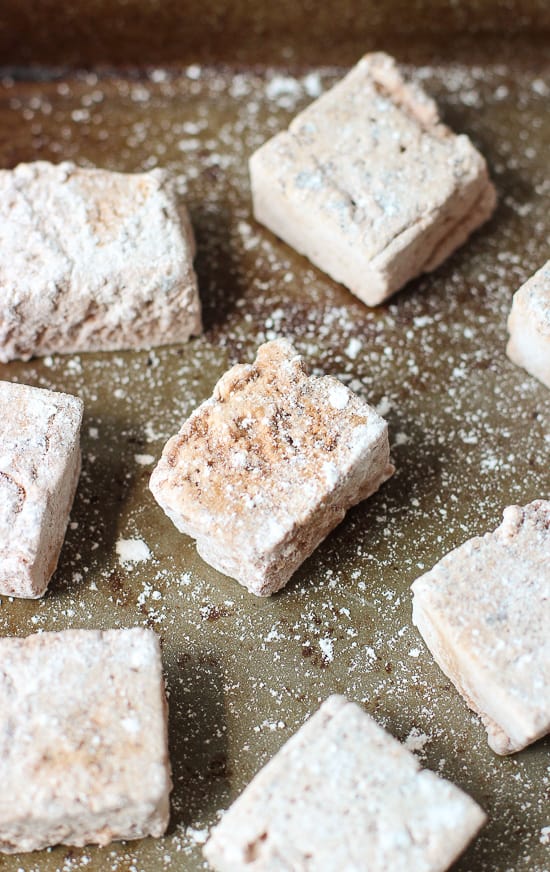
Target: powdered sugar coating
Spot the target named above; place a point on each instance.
(462, 426)
(484, 612)
(93, 260)
(83, 739)
(369, 184)
(339, 791)
(529, 326)
(262, 471)
(39, 468)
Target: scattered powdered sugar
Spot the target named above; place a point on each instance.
(327, 648)
(197, 836)
(132, 550)
(416, 740)
(286, 91)
(467, 430)
(144, 459)
(354, 347)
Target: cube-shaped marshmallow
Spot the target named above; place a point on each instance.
(39, 469)
(344, 794)
(484, 613)
(529, 326)
(84, 739)
(369, 184)
(261, 472)
(93, 260)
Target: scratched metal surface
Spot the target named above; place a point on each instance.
(470, 435)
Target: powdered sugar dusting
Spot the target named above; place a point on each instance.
(416, 740)
(338, 397)
(432, 362)
(132, 550)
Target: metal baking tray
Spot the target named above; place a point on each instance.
(470, 432)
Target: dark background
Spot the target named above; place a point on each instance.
(128, 32)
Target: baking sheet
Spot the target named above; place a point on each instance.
(470, 435)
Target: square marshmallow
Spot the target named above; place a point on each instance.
(39, 469)
(484, 613)
(529, 326)
(342, 794)
(93, 260)
(83, 739)
(369, 184)
(266, 468)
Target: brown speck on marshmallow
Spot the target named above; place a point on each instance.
(266, 468)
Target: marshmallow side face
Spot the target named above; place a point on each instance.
(261, 472)
(84, 739)
(39, 470)
(529, 326)
(92, 260)
(369, 185)
(484, 613)
(339, 791)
